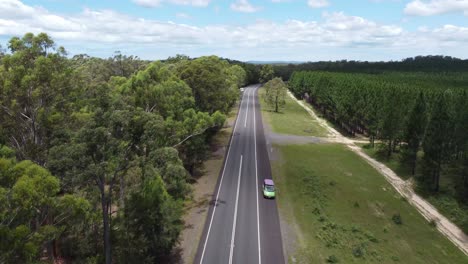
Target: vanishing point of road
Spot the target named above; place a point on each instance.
(243, 227)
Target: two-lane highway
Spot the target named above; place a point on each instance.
(242, 226)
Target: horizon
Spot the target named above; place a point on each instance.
(246, 30)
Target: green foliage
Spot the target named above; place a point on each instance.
(332, 259)
(214, 86)
(415, 128)
(430, 64)
(359, 251)
(32, 213)
(438, 140)
(156, 89)
(151, 224)
(266, 73)
(35, 83)
(115, 132)
(238, 75)
(406, 111)
(397, 219)
(275, 95)
(6, 152)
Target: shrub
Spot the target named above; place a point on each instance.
(358, 251)
(371, 237)
(332, 259)
(355, 229)
(397, 219)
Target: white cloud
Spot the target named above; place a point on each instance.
(355, 36)
(157, 3)
(436, 7)
(244, 6)
(451, 33)
(318, 3)
(148, 3)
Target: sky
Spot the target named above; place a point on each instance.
(260, 30)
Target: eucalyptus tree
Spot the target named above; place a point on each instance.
(36, 84)
(33, 213)
(213, 86)
(275, 94)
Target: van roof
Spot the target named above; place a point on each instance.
(268, 182)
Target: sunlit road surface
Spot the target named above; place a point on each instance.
(241, 226)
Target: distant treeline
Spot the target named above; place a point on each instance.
(416, 64)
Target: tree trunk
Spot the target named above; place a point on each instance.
(465, 178)
(276, 104)
(121, 191)
(106, 224)
(395, 143)
(437, 178)
(389, 149)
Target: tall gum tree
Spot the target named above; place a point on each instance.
(35, 80)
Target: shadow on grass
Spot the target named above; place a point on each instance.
(273, 111)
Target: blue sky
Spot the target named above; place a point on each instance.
(300, 30)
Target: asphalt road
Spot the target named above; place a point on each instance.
(242, 226)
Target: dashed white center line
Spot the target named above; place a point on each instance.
(247, 112)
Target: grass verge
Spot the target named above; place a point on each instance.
(293, 119)
(348, 213)
(445, 200)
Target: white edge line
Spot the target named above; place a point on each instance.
(220, 183)
(234, 222)
(256, 185)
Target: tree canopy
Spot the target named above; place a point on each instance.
(275, 94)
(96, 154)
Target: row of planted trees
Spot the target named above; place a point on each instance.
(416, 112)
(95, 164)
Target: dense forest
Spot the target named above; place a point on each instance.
(417, 64)
(96, 154)
(422, 116)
